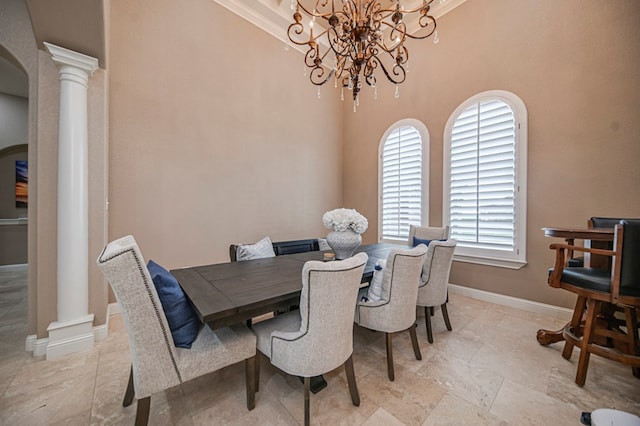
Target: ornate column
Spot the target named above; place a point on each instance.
(73, 330)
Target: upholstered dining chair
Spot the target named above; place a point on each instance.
(156, 363)
(602, 292)
(434, 281)
(318, 337)
(427, 233)
(396, 310)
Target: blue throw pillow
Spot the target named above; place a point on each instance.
(183, 321)
(417, 241)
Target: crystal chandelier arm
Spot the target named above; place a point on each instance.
(397, 75)
(396, 37)
(340, 45)
(297, 29)
(425, 20)
(318, 74)
(424, 9)
(320, 3)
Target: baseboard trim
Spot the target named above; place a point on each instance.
(58, 349)
(113, 309)
(30, 343)
(39, 346)
(101, 332)
(513, 302)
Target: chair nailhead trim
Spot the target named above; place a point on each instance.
(153, 303)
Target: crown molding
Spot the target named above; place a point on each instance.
(274, 16)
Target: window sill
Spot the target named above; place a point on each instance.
(488, 261)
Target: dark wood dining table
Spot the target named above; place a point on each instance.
(223, 294)
(229, 293)
(593, 238)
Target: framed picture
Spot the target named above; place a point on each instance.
(22, 184)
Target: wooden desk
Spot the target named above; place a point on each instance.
(594, 238)
(229, 293)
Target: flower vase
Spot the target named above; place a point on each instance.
(344, 243)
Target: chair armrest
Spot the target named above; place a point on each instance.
(602, 252)
(558, 268)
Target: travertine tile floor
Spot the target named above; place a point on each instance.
(489, 371)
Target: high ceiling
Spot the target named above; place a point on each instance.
(83, 30)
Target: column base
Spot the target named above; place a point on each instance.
(70, 337)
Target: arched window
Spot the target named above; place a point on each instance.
(485, 172)
(403, 182)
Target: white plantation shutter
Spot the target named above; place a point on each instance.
(401, 185)
(483, 176)
(484, 190)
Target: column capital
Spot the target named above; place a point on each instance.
(62, 56)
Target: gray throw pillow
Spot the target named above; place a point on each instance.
(375, 288)
(262, 248)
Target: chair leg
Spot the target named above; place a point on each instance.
(351, 380)
(583, 363)
(427, 320)
(307, 386)
(390, 372)
(414, 341)
(257, 371)
(432, 311)
(130, 392)
(631, 319)
(142, 412)
(578, 312)
(250, 378)
(445, 315)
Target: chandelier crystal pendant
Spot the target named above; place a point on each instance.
(363, 36)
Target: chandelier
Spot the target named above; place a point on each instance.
(355, 38)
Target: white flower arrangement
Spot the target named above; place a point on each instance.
(342, 219)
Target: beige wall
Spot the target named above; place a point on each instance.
(575, 65)
(216, 137)
(13, 120)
